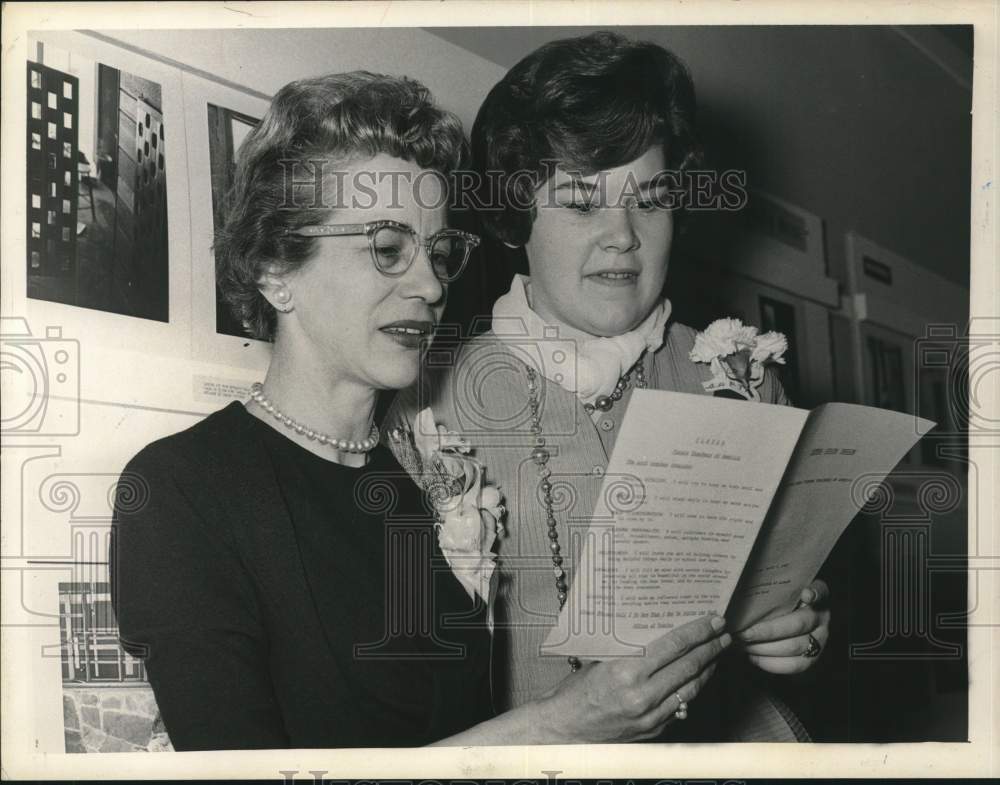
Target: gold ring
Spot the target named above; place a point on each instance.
(682, 708)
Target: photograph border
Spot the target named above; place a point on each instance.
(975, 758)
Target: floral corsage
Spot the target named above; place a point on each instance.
(469, 510)
(737, 356)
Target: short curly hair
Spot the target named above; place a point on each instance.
(589, 103)
(339, 116)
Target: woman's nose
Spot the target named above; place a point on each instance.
(617, 231)
(421, 281)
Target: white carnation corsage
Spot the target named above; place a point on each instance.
(469, 510)
(737, 355)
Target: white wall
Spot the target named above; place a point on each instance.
(264, 60)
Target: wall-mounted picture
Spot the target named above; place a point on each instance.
(96, 196)
(226, 131)
(108, 705)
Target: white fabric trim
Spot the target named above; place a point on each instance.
(578, 362)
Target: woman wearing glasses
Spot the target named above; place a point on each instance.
(277, 568)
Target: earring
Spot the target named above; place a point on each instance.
(283, 296)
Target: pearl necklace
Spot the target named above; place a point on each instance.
(541, 456)
(342, 445)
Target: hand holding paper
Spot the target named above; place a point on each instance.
(731, 509)
(633, 699)
(789, 642)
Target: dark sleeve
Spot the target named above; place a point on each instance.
(185, 602)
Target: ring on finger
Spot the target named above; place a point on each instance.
(814, 648)
(681, 712)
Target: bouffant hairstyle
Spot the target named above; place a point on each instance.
(339, 117)
(587, 104)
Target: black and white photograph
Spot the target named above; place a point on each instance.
(226, 131)
(527, 385)
(108, 705)
(97, 209)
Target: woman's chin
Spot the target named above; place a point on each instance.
(607, 325)
(394, 363)
(397, 373)
(609, 316)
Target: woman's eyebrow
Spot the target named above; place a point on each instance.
(656, 181)
(581, 184)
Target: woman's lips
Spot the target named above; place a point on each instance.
(408, 332)
(614, 278)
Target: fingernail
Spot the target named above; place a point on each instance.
(808, 596)
(725, 640)
(718, 623)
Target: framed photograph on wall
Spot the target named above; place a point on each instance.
(97, 195)
(219, 117)
(106, 232)
(108, 705)
(227, 129)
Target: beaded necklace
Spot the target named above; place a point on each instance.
(605, 402)
(540, 456)
(342, 445)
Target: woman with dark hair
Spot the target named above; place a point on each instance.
(582, 105)
(586, 143)
(280, 572)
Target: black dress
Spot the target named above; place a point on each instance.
(282, 600)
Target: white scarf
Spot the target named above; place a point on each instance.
(578, 362)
